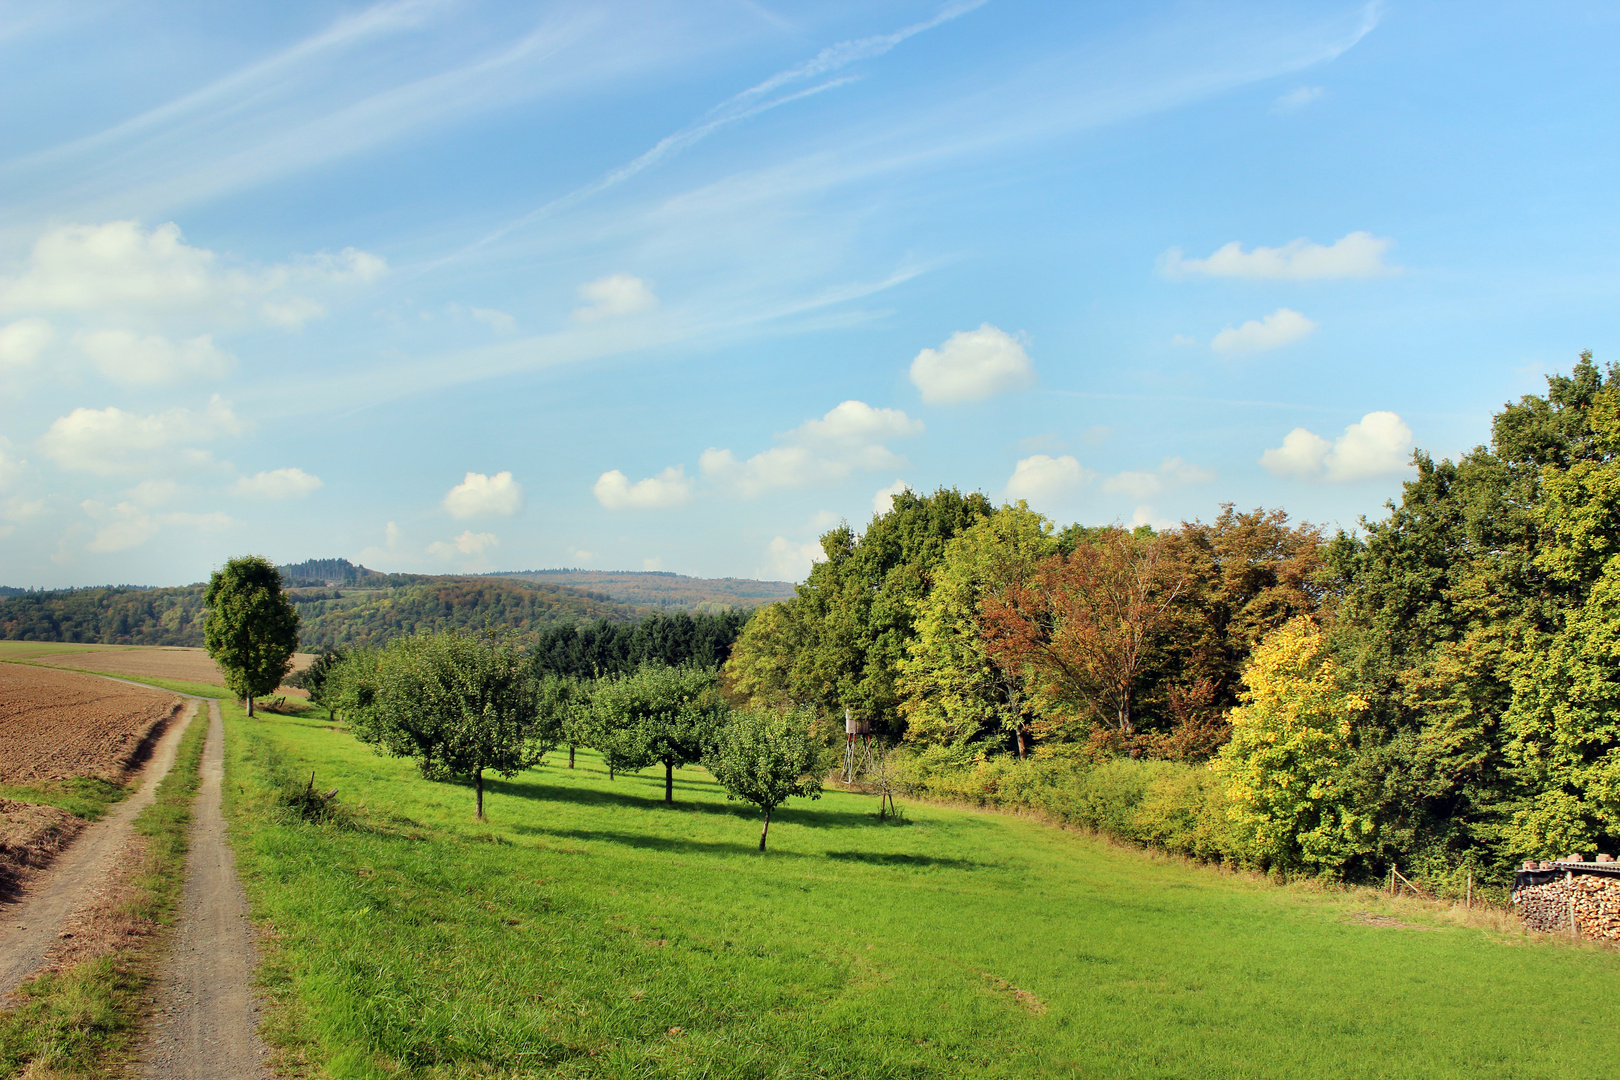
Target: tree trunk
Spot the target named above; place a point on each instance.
(478, 785)
(250, 705)
(669, 783)
(765, 830)
(610, 770)
(570, 755)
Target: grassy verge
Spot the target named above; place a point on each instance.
(589, 931)
(78, 1022)
(88, 797)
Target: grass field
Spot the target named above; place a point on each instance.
(589, 931)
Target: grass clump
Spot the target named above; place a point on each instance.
(79, 1022)
(87, 797)
(604, 934)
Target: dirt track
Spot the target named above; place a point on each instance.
(205, 1020)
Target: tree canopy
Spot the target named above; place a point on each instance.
(458, 704)
(251, 630)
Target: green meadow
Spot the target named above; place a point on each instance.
(588, 930)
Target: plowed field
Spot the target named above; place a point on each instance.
(60, 724)
(141, 661)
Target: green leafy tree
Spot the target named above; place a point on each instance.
(252, 628)
(459, 704)
(957, 698)
(319, 680)
(1286, 766)
(767, 756)
(566, 707)
(839, 642)
(657, 715)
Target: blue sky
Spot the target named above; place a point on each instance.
(450, 286)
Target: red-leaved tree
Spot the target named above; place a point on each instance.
(1080, 628)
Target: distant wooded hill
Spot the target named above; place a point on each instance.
(343, 605)
(661, 589)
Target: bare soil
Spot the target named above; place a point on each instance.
(151, 662)
(58, 724)
(30, 836)
(84, 882)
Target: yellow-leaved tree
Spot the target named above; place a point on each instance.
(1287, 764)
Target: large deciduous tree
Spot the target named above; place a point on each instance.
(1081, 626)
(838, 643)
(767, 756)
(459, 704)
(957, 697)
(1287, 764)
(252, 628)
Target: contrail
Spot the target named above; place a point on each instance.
(742, 106)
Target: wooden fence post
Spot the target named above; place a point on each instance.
(1470, 901)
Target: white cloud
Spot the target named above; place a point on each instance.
(972, 365)
(276, 484)
(128, 525)
(1296, 99)
(883, 501)
(791, 561)
(93, 266)
(1043, 477)
(499, 321)
(1356, 255)
(1183, 339)
(653, 564)
(110, 441)
(126, 358)
(350, 264)
(18, 508)
(1171, 472)
(1282, 327)
(616, 294)
(23, 341)
(1380, 444)
(1144, 515)
(479, 495)
(671, 487)
(292, 313)
(121, 265)
(849, 437)
(388, 551)
(468, 543)
(1096, 436)
(1301, 455)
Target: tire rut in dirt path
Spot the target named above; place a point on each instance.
(205, 1016)
(29, 927)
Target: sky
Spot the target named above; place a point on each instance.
(443, 286)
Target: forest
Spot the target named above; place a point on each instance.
(1439, 689)
(370, 614)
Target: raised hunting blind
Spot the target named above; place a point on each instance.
(857, 746)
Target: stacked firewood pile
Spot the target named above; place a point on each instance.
(1595, 897)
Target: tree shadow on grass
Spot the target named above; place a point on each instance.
(581, 796)
(747, 845)
(911, 862)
